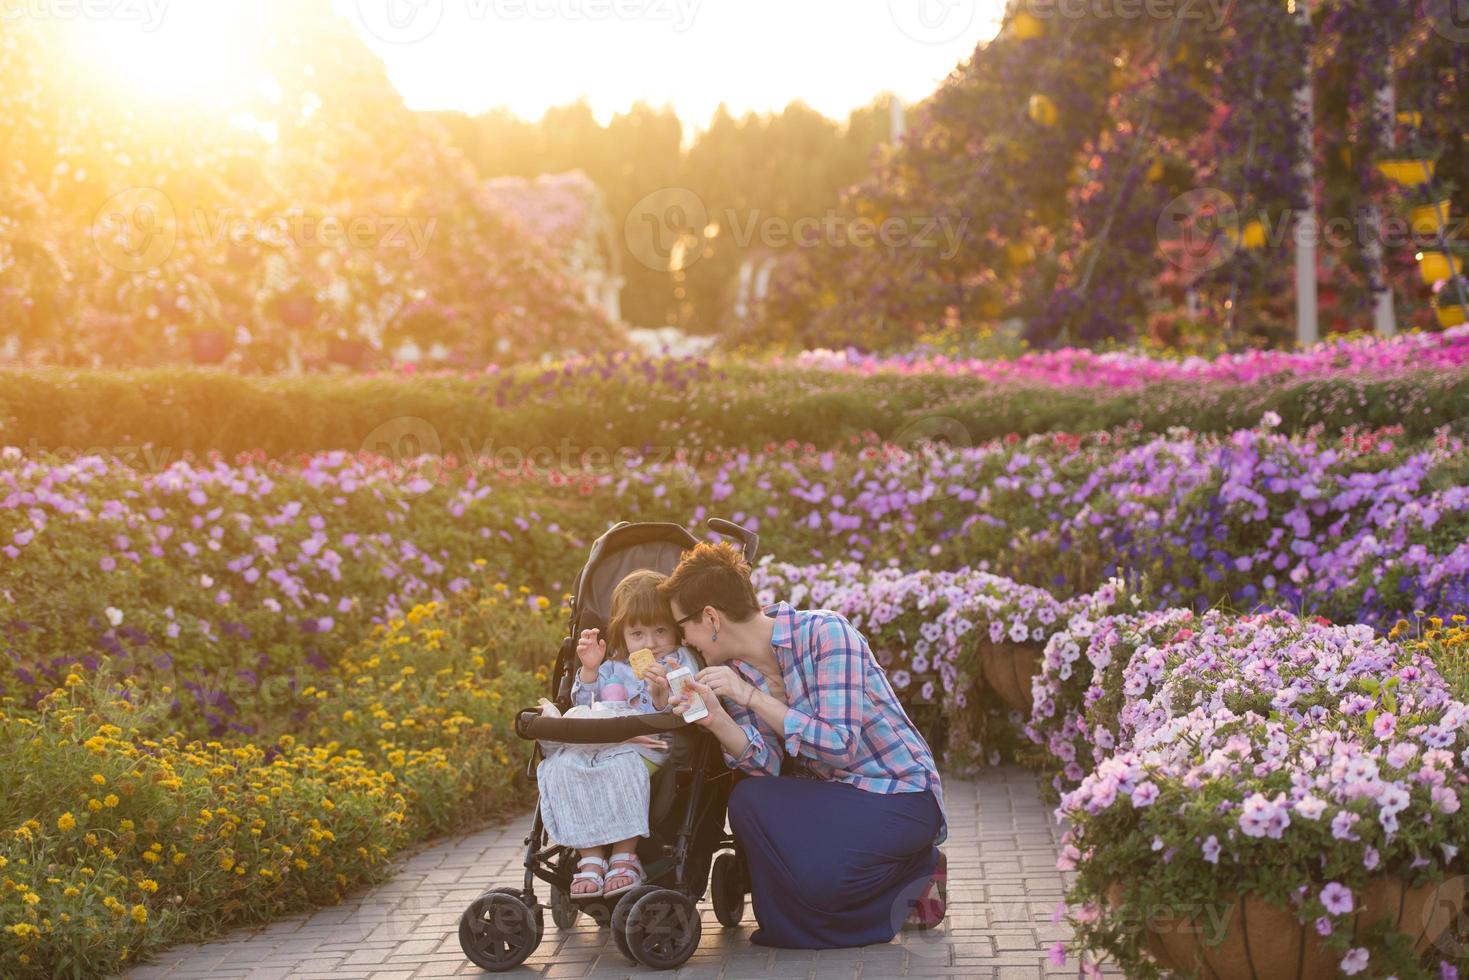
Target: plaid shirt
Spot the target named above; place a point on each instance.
(843, 720)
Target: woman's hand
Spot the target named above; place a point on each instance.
(725, 683)
(716, 713)
(590, 651)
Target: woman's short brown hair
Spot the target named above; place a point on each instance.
(713, 574)
(637, 601)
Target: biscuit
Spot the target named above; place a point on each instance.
(641, 660)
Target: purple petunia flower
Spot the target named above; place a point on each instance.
(1337, 898)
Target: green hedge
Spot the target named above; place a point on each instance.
(668, 405)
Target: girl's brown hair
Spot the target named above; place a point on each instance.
(637, 602)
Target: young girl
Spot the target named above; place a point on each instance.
(593, 796)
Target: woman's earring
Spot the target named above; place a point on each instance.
(714, 636)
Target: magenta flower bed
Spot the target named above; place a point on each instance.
(1080, 367)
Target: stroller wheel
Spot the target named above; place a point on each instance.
(563, 910)
(663, 929)
(619, 918)
(726, 891)
(498, 930)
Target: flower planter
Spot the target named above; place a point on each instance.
(209, 346)
(1434, 266)
(296, 311)
(1042, 110)
(1408, 173)
(1027, 27)
(1007, 669)
(1265, 940)
(350, 353)
(1431, 219)
(1019, 254)
(1450, 316)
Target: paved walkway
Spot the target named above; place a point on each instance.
(1003, 885)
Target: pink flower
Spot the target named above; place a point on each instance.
(1058, 954)
(1260, 817)
(1337, 898)
(1144, 794)
(1355, 961)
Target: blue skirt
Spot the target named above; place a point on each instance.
(832, 865)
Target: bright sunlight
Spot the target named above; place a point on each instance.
(167, 52)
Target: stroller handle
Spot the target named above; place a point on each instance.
(531, 724)
(749, 539)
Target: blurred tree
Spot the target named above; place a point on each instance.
(756, 177)
(309, 211)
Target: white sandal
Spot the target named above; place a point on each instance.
(596, 877)
(632, 868)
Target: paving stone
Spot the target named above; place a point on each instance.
(1003, 886)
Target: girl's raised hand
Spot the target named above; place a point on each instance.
(656, 677)
(590, 650)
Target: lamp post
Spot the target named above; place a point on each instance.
(1306, 236)
(1384, 318)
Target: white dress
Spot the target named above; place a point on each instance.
(593, 795)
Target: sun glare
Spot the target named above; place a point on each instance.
(202, 52)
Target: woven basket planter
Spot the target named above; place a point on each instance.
(1007, 668)
(1264, 940)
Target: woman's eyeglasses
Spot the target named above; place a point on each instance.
(693, 615)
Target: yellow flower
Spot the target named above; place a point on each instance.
(71, 891)
(148, 885)
(72, 680)
(542, 602)
(66, 822)
(94, 805)
(24, 929)
(111, 799)
(150, 857)
(99, 779)
(140, 914)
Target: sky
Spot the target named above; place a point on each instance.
(529, 55)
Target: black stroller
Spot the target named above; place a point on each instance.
(657, 923)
